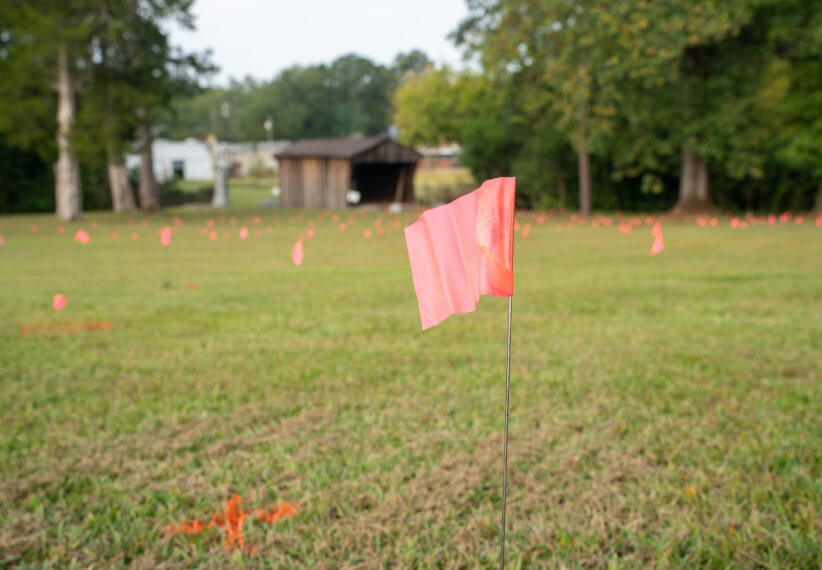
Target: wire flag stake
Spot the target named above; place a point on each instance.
(505, 439)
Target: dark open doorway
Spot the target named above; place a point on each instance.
(381, 182)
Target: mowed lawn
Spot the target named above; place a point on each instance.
(665, 411)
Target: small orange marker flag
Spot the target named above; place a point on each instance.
(82, 236)
(658, 244)
(59, 302)
(297, 253)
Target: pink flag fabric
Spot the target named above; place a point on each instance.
(59, 302)
(462, 250)
(297, 253)
(165, 236)
(82, 236)
(658, 244)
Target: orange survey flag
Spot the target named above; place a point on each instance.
(462, 250)
(659, 242)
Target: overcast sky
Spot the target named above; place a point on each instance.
(260, 38)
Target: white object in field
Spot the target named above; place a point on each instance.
(275, 191)
(353, 197)
(395, 207)
(221, 184)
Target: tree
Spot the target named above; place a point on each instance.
(680, 81)
(562, 46)
(351, 95)
(688, 79)
(427, 107)
(46, 48)
(93, 66)
(795, 34)
(414, 61)
(140, 74)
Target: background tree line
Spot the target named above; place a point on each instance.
(634, 104)
(350, 95)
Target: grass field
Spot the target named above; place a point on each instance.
(665, 411)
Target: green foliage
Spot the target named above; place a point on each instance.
(428, 106)
(27, 181)
(134, 74)
(350, 95)
(736, 82)
(121, 65)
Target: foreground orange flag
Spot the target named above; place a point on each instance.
(462, 250)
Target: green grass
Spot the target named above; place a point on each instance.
(664, 411)
(244, 193)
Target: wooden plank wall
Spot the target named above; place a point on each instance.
(290, 183)
(314, 182)
(339, 182)
(314, 172)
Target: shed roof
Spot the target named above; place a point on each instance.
(346, 147)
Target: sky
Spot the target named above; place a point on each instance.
(260, 38)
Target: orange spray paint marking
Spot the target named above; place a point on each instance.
(231, 521)
(55, 327)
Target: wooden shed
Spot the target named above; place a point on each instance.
(317, 173)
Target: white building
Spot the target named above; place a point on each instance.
(191, 159)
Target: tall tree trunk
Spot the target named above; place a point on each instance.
(818, 206)
(584, 160)
(694, 195)
(66, 171)
(148, 184)
(122, 199)
(583, 156)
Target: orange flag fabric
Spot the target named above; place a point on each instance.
(297, 252)
(659, 243)
(462, 250)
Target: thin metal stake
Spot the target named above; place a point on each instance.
(505, 445)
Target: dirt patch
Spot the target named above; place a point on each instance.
(19, 534)
(58, 328)
(148, 457)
